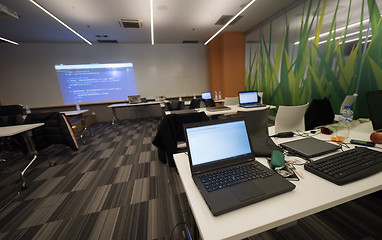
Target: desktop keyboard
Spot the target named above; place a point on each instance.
(228, 177)
(348, 166)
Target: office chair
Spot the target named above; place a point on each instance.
(290, 118)
(231, 101)
(348, 100)
(174, 105)
(319, 113)
(257, 127)
(12, 115)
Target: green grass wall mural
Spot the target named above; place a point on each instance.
(293, 74)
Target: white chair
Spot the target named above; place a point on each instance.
(231, 101)
(261, 96)
(349, 100)
(290, 118)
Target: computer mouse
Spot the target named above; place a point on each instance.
(277, 159)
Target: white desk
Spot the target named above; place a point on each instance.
(17, 129)
(123, 105)
(83, 121)
(233, 110)
(312, 194)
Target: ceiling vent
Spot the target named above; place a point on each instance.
(130, 23)
(190, 41)
(6, 13)
(107, 41)
(225, 18)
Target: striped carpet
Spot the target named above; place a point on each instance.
(115, 187)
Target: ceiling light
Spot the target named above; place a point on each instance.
(221, 29)
(58, 20)
(6, 40)
(152, 22)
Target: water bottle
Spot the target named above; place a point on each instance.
(344, 122)
(27, 109)
(78, 107)
(220, 95)
(216, 95)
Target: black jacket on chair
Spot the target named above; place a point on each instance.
(56, 130)
(170, 131)
(319, 113)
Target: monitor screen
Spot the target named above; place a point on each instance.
(248, 97)
(96, 82)
(374, 103)
(206, 95)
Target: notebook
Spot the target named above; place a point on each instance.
(309, 147)
(219, 145)
(134, 99)
(249, 99)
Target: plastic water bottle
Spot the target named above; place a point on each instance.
(344, 122)
(216, 95)
(78, 107)
(220, 95)
(27, 109)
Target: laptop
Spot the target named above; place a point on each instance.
(221, 145)
(309, 147)
(249, 99)
(206, 95)
(134, 99)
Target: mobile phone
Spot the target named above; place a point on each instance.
(360, 142)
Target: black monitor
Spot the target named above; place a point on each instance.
(374, 103)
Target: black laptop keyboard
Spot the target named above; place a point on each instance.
(348, 166)
(228, 177)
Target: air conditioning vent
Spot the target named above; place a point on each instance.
(225, 18)
(190, 41)
(130, 23)
(107, 41)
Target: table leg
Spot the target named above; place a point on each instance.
(115, 118)
(85, 128)
(32, 151)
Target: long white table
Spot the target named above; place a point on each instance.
(233, 110)
(123, 105)
(312, 194)
(9, 131)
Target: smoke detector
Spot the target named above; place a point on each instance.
(130, 23)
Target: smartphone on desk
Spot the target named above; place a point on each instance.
(364, 143)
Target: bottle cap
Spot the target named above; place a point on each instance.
(347, 106)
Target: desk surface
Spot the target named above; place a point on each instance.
(120, 105)
(312, 194)
(16, 129)
(75, 112)
(233, 110)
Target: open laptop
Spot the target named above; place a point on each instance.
(374, 103)
(309, 147)
(134, 99)
(249, 99)
(222, 145)
(206, 95)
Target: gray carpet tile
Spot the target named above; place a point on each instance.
(114, 187)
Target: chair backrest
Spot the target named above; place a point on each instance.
(11, 115)
(319, 113)
(256, 121)
(349, 100)
(174, 105)
(209, 102)
(231, 101)
(56, 130)
(260, 94)
(290, 118)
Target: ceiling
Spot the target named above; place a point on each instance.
(175, 21)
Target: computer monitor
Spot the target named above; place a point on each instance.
(206, 95)
(374, 103)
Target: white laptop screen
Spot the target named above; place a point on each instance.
(206, 95)
(248, 97)
(216, 142)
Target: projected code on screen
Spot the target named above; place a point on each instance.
(96, 82)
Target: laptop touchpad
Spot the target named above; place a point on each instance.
(246, 190)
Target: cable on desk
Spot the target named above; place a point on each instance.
(179, 224)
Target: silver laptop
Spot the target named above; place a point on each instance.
(249, 99)
(219, 148)
(134, 99)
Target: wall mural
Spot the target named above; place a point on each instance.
(294, 75)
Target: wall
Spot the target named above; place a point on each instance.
(27, 74)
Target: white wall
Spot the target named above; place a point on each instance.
(27, 74)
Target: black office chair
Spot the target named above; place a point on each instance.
(11, 115)
(319, 113)
(257, 127)
(174, 105)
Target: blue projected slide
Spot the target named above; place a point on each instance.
(96, 82)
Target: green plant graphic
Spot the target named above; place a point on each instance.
(296, 74)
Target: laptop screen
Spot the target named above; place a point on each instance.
(221, 141)
(206, 95)
(248, 97)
